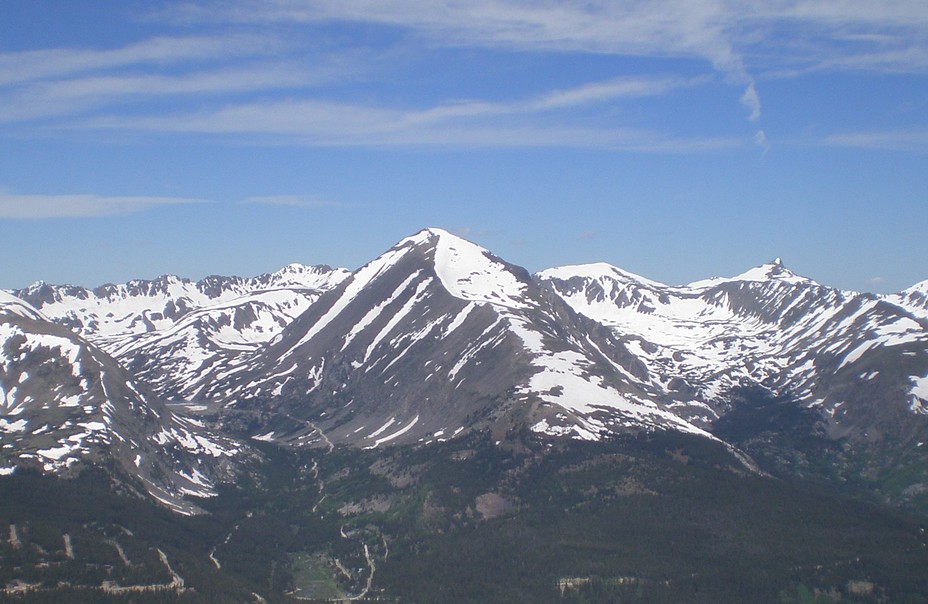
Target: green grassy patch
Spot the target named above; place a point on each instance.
(313, 578)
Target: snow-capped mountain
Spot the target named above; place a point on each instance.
(435, 337)
(857, 358)
(914, 299)
(175, 333)
(64, 403)
(140, 306)
(438, 337)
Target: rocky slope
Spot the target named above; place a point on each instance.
(434, 338)
(64, 403)
(826, 348)
(174, 333)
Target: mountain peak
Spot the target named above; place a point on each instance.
(429, 234)
(297, 268)
(438, 232)
(774, 270)
(293, 267)
(598, 271)
(469, 271)
(302, 275)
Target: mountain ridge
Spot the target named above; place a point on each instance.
(65, 404)
(437, 337)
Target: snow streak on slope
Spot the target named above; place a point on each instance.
(10, 304)
(440, 331)
(363, 276)
(766, 327)
(914, 299)
(179, 335)
(142, 306)
(65, 403)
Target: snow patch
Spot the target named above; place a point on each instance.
(12, 427)
(394, 435)
(470, 273)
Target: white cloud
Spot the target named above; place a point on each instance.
(751, 100)
(890, 140)
(760, 139)
(62, 82)
(824, 34)
(19, 206)
(690, 28)
(77, 95)
(36, 65)
(474, 123)
(598, 92)
(315, 123)
(233, 83)
(586, 94)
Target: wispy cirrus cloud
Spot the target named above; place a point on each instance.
(669, 28)
(210, 77)
(888, 140)
(59, 83)
(544, 120)
(262, 73)
(161, 51)
(737, 37)
(587, 94)
(33, 207)
(78, 95)
(313, 123)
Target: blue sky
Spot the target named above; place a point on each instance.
(678, 139)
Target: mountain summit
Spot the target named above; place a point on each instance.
(437, 337)
(774, 270)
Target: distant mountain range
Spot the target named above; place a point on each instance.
(438, 338)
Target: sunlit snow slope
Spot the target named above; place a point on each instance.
(845, 353)
(177, 334)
